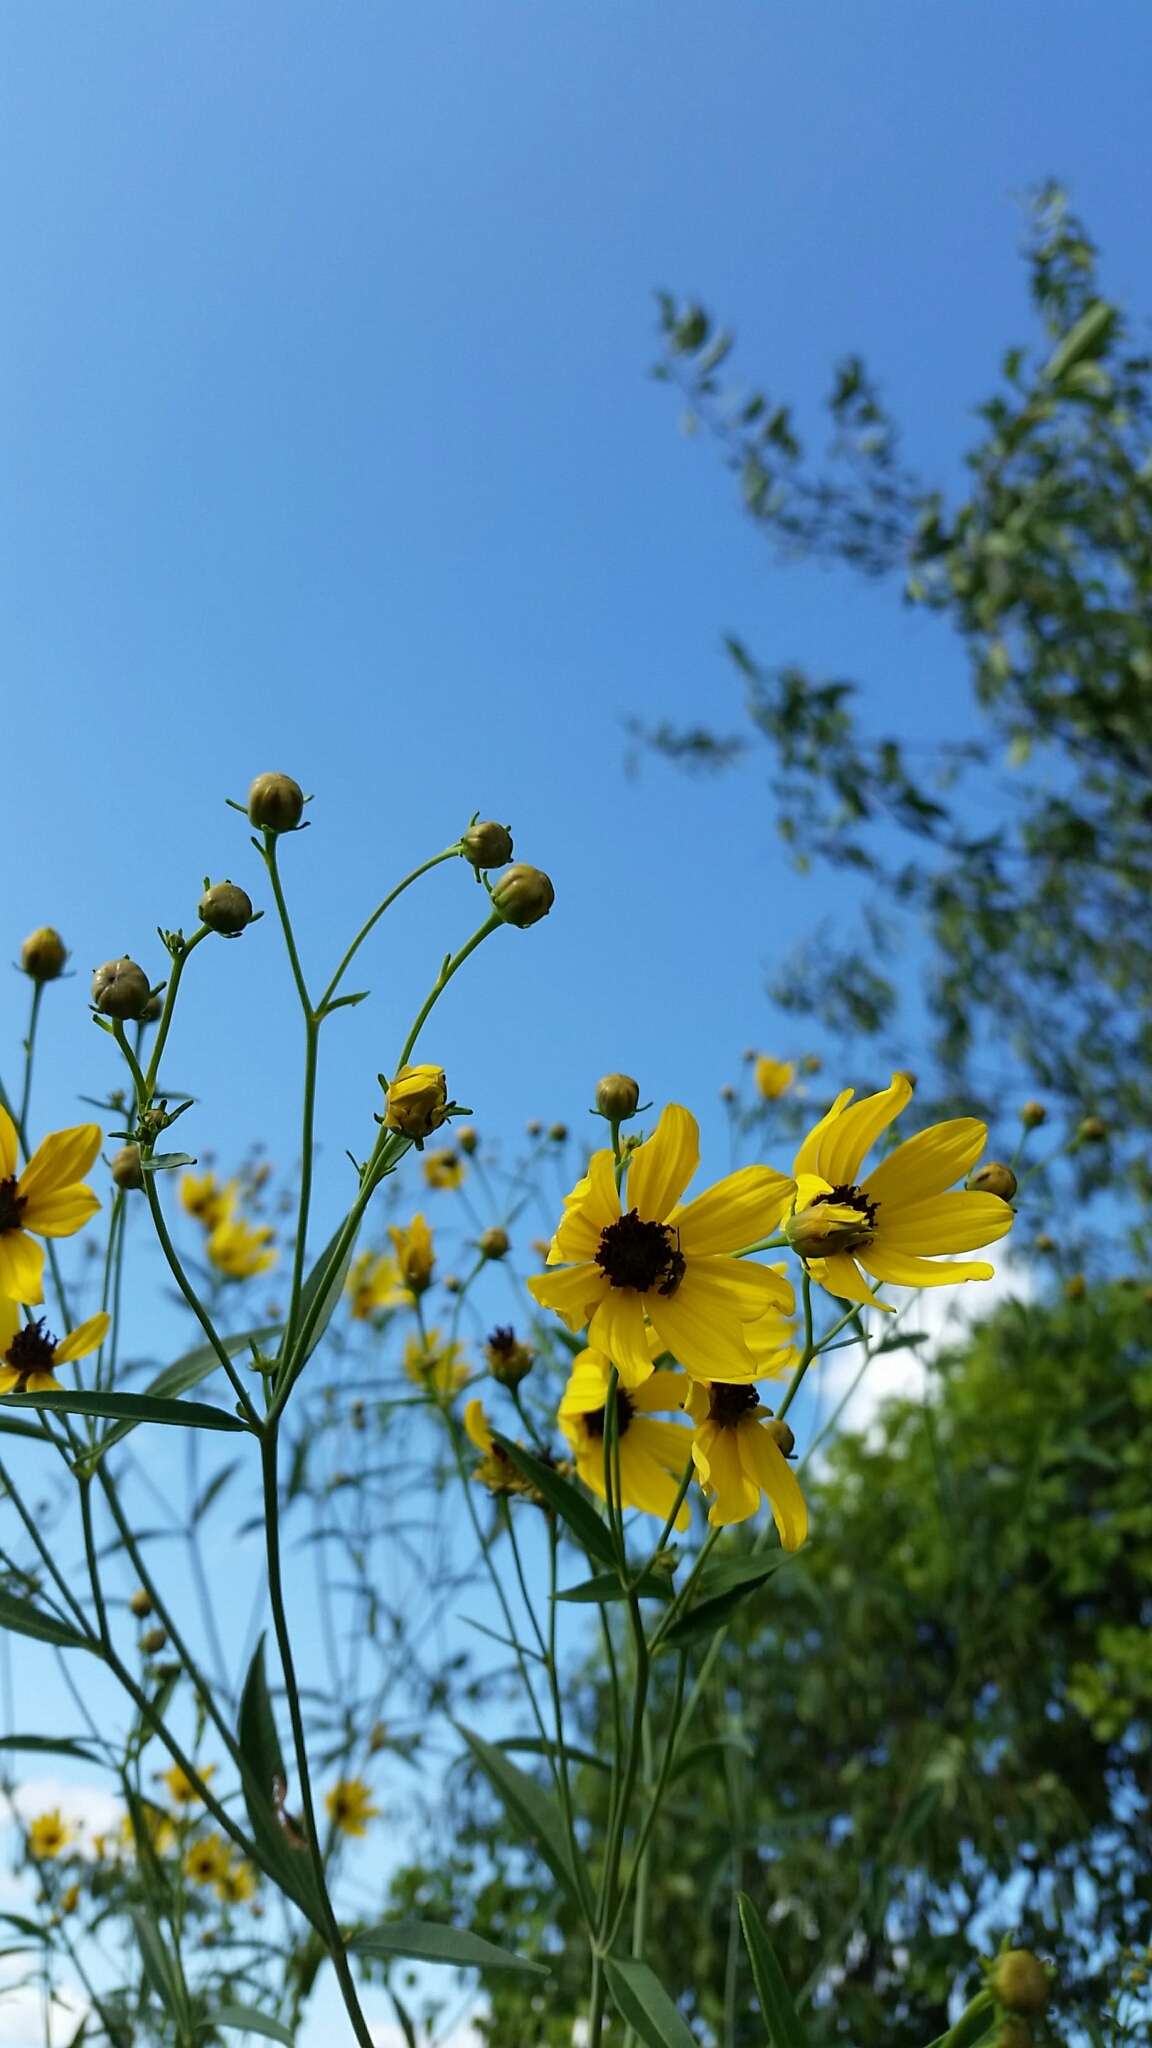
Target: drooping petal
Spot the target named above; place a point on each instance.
(60, 1159)
(734, 1287)
(9, 1378)
(587, 1388)
(476, 1426)
(573, 1292)
(619, 1330)
(778, 1481)
(660, 1170)
(841, 1276)
(736, 1491)
(10, 1320)
(905, 1271)
(60, 1212)
(670, 1442)
(43, 1383)
(661, 1390)
(644, 1481)
(21, 1267)
(87, 1336)
(7, 1145)
(850, 1135)
(737, 1211)
(708, 1345)
(808, 1157)
(588, 1210)
(933, 1160)
(960, 1222)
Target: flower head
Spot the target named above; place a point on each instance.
(653, 1454)
(239, 1250)
(374, 1285)
(415, 1254)
(896, 1219)
(28, 1353)
(48, 1835)
(496, 1469)
(444, 1169)
(650, 1257)
(208, 1861)
(181, 1788)
(416, 1103)
(350, 1806)
(210, 1201)
(738, 1457)
(237, 1884)
(434, 1363)
(49, 1199)
(773, 1077)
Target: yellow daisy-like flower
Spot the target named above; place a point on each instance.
(374, 1285)
(444, 1169)
(155, 1822)
(28, 1354)
(70, 1899)
(208, 1861)
(239, 1250)
(238, 1883)
(774, 1077)
(181, 1789)
(210, 1201)
(495, 1470)
(896, 1220)
(49, 1199)
(738, 1457)
(48, 1835)
(650, 1257)
(652, 1454)
(434, 1363)
(415, 1254)
(350, 1806)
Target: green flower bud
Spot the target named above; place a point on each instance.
(993, 1178)
(153, 1009)
(493, 1243)
(1019, 1981)
(275, 803)
(43, 954)
(487, 844)
(126, 1169)
(153, 1640)
(225, 908)
(522, 895)
(1032, 1115)
(120, 989)
(617, 1097)
(467, 1139)
(509, 1361)
(140, 1603)
(558, 1133)
(781, 1434)
(1093, 1130)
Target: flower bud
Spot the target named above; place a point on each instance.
(126, 1169)
(415, 1104)
(452, 1283)
(493, 1243)
(1044, 1242)
(487, 844)
(152, 1640)
(522, 895)
(43, 954)
(1032, 1115)
(120, 989)
(141, 1603)
(533, 1127)
(1093, 1130)
(993, 1178)
(153, 1009)
(617, 1097)
(558, 1133)
(509, 1361)
(825, 1227)
(225, 908)
(727, 1092)
(1019, 1980)
(275, 803)
(1075, 1287)
(467, 1138)
(781, 1434)
(377, 1738)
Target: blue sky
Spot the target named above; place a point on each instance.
(328, 445)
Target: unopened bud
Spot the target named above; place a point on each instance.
(1044, 1242)
(487, 844)
(1093, 1130)
(1032, 1115)
(617, 1097)
(275, 803)
(126, 1169)
(781, 1434)
(377, 1738)
(1075, 1287)
(493, 1243)
(727, 1093)
(141, 1603)
(120, 989)
(558, 1133)
(152, 1640)
(416, 1101)
(225, 908)
(825, 1227)
(153, 1009)
(522, 895)
(1019, 1980)
(993, 1178)
(43, 954)
(452, 1283)
(467, 1138)
(509, 1361)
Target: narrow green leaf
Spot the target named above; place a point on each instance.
(606, 1587)
(157, 1965)
(714, 1611)
(26, 1620)
(972, 2028)
(1089, 337)
(644, 2005)
(330, 1294)
(781, 2021)
(530, 1806)
(534, 1745)
(166, 1162)
(246, 2020)
(263, 1778)
(189, 1370)
(256, 1729)
(129, 1408)
(52, 1745)
(570, 1504)
(11, 1427)
(427, 1941)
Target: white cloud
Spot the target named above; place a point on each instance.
(93, 1809)
(22, 2015)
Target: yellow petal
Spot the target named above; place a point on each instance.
(42, 1383)
(476, 1425)
(660, 1390)
(618, 1329)
(807, 1158)
(645, 1484)
(737, 1492)
(668, 1442)
(7, 1145)
(710, 1346)
(62, 1158)
(961, 1222)
(778, 1481)
(21, 1267)
(573, 1291)
(840, 1275)
(661, 1169)
(856, 1130)
(734, 1287)
(737, 1211)
(933, 1160)
(60, 1212)
(588, 1210)
(904, 1271)
(86, 1337)
(9, 1377)
(587, 1388)
(10, 1320)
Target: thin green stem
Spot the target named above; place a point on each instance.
(449, 853)
(655, 1800)
(30, 1053)
(179, 961)
(451, 966)
(308, 1112)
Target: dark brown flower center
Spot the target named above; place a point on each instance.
(594, 1423)
(31, 1349)
(640, 1255)
(841, 1235)
(11, 1204)
(503, 1341)
(848, 1197)
(732, 1405)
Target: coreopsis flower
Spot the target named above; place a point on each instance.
(350, 1806)
(772, 1342)
(896, 1220)
(182, 1790)
(155, 1823)
(653, 1454)
(49, 1199)
(48, 1835)
(737, 1454)
(773, 1077)
(435, 1363)
(496, 1470)
(239, 1249)
(649, 1257)
(374, 1285)
(416, 1103)
(209, 1200)
(70, 1899)
(208, 1861)
(443, 1169)
(238, 1883)
(28, 1353)
(415, 1254)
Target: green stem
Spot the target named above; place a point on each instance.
(308, 1132)
(29, 1054)
(454, 961)
(449, 853)
(164, 1025)
(638, 1872)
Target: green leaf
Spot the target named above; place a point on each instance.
(530, 1806)
(130, 1409)
(314, 1285)
(158, 1967)
(189, 1370)
(606, 1586)
(782, 2026)
(246, 2020)
(262, 1764)
(734, 1582)
(11, 1427)
(53, 1745)
(644, 2005)
(427, 1941)
(256, 1729)
(166, 1162)
(535, 1745)
(972, 2028)
(26, 1620)
(569, 1503)
(1089, 337)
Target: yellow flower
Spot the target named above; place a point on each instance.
(652, 1454)
(70, 1899)
(435, 1364)
(48, 1834)
(444, 1169)
(737, 1457)
(155, 1822)
(203, 1196)
(893, 1222)
(237, 1883)
(49, 1198)
(666, 1260)
(208, 1861)
(772, 1342)
(374, 1284)
(774, 1077)
(28, 1354)
(416, 1101)
(181, 1789)
(415, 1255)
(350, 1806)
(239, 1250)
(496, 1470)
